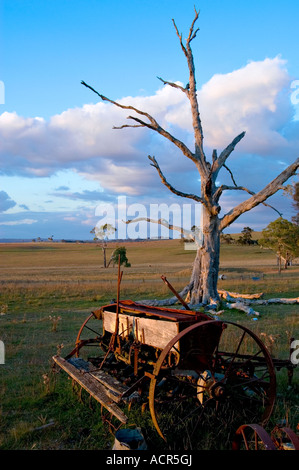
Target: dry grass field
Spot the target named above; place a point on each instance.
(65, 281)
(73, 268)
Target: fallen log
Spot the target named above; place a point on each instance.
(271, 301)
(226, 295)
(284, 301)
(244, 308)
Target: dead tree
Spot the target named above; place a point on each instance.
(202, 288)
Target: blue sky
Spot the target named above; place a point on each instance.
(60, 157)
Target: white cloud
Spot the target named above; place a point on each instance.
(19, 222)
(122, 179)
(248, 99)
(254, 98)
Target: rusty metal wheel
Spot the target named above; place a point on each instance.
(89, 339)
(223, 376)
(285, 438)
(252, 437)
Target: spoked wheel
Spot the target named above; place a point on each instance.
(252, 437)
(213, 373)
(89, 341)
(285, 438)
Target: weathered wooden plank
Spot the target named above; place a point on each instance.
(86, 366)
(169, 314)
(125, 323)
(81, 364)
(156, 333)
(150, 331)
(92, 386)
(109, 381)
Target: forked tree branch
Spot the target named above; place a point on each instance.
(192, 34)
(219, 162)
(259, 197)
(153, 124)
(169, 186)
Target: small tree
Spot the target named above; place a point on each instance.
(226, 238)
(282, 237)
(120, 254)
(102, 233)
(246, 237)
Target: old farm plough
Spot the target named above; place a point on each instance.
(186, 365)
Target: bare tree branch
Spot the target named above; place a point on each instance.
(128, 125)
(122, 106)
(192, 33)
(217, 165)
(192, 95)
(224, 187)
(259, 197)
(240, 188)
(169, 186)
(214, 155)
(231, 174)
(140, 121)
(152, 125)
(180, 38)
(175, 85)
(196, 235)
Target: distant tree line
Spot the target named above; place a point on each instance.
(244, 239)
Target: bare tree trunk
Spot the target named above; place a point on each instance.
(279, 264)
(203, 282)
(286, 260)
(104, 254)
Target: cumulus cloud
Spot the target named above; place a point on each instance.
(254, 98)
